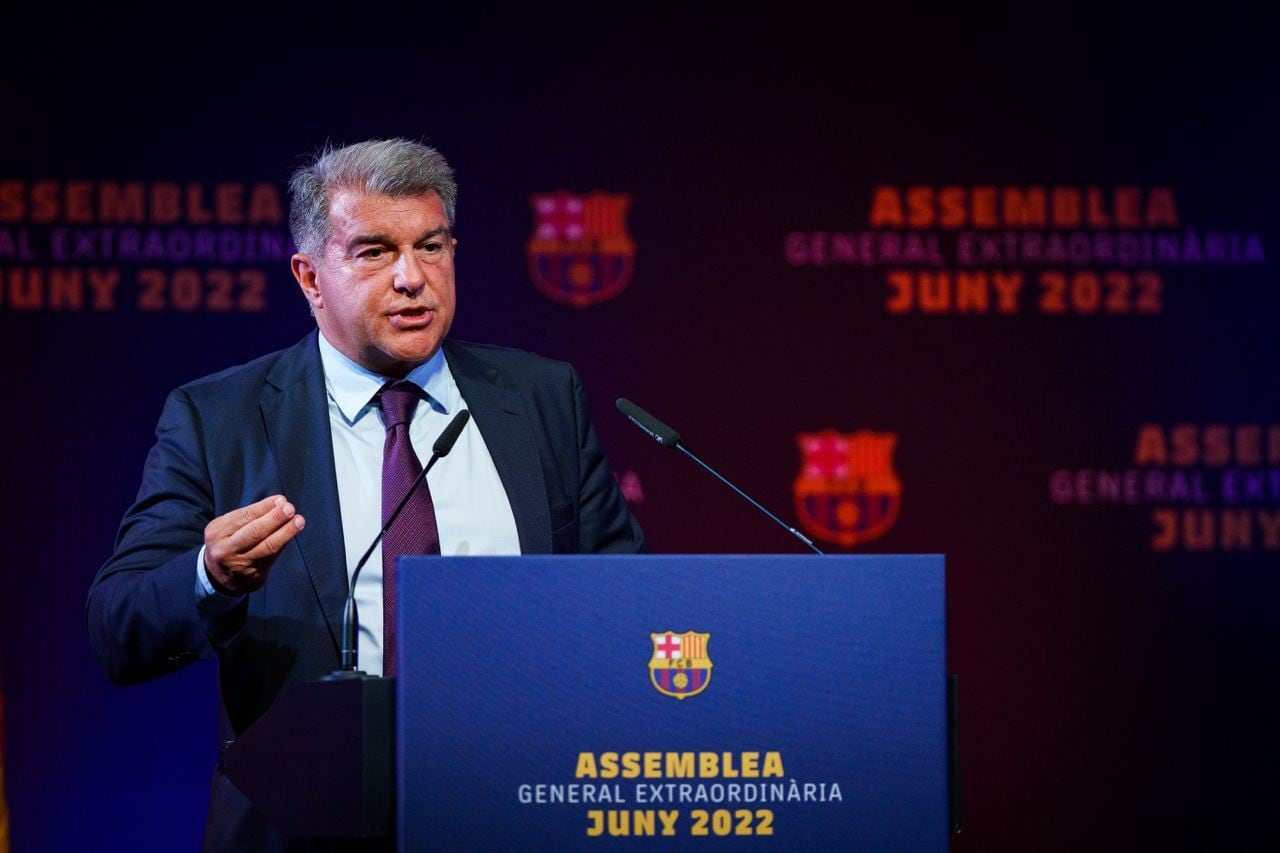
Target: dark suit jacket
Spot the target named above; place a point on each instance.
(263, 428)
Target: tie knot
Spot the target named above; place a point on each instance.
(397, 401)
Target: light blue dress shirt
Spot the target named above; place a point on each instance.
(472, 510)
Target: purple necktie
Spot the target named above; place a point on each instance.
(414, 532)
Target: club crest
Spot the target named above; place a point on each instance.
(680, 666)
(580, 251)
(847, 491)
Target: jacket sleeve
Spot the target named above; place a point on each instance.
(142, 612)
(606, 525)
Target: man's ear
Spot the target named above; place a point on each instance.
(304, 270)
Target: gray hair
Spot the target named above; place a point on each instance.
(394, 167)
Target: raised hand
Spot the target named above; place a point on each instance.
(240, 547)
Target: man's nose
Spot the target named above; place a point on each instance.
(410, 273)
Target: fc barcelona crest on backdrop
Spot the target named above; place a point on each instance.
(580, 251)
(847, 491)
(680, 666)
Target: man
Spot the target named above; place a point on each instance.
(269, 480)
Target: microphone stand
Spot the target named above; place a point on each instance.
(350, 667)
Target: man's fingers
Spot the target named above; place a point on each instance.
(226, 525)
(247, 514)
(274, 544)
(254, 533)
(239, 555)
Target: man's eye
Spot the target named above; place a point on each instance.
(371, 254)
(432, 248)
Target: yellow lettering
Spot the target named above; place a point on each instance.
(166, 203)
(1150, 449)
(1270, 526)
(886, 208)
(952, 210)
(899, 302)
(1097, 215)
(228, 200)
(79, 202)
(264, 205)
(984, 207)
(1217, 445)
(103, 283)
(919, 207)
(116, 204)
(1008, 285)
(1066, 207)
(680, 765)
(1197, 529)
(1024, 209)
(1249, 444)
(1236, 529)
(1127, 200)
(1161, 208)
(197, 213)
(66, 288)
(1166, 535)
(1185, 441)
(971, 292)
(13, 203)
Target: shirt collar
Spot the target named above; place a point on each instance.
(353, 386)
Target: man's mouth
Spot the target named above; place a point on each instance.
(411, 318)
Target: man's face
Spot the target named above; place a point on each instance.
(382, 287)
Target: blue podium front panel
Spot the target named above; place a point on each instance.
(672, 702)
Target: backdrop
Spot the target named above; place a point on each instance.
(998, 288)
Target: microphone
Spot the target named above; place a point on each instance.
(669, 438)
(657, 430)
(439, 450)
(448, 438)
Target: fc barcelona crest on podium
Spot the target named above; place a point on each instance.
(580, 251)
(847, 491)
(680, 666)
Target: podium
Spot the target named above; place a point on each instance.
(561, 703)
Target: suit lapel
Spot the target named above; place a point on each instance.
(499, 412)
(296, 415)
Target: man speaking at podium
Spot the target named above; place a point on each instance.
(268, 481)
